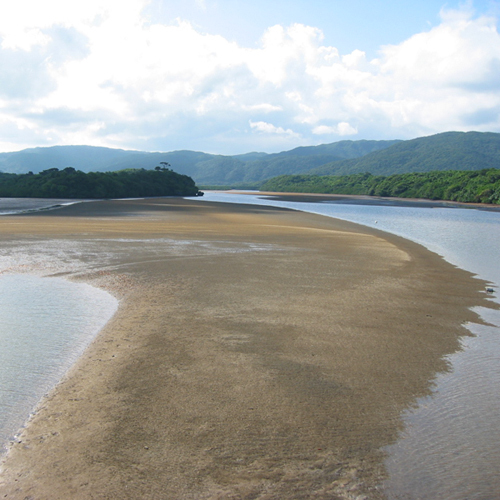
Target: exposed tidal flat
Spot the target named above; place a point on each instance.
(24, 205)
(257, 352)
(449, 446)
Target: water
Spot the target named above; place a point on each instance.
(45, 324)
(22, 205)
(450, 448)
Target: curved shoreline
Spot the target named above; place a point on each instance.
(378, 200)
(32, 361)
(239, 364)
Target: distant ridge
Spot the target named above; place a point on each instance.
(446, 151)
(79, 157)
(204, 168)
(303, 159)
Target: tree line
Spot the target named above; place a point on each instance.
(72, 183)
(478, 186)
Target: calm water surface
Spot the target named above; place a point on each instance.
(45, 324)
(450, 449)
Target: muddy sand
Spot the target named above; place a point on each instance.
(257, 352)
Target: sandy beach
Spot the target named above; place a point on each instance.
(257, 352)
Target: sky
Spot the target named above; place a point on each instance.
(231, 76)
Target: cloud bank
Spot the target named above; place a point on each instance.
(100, 72)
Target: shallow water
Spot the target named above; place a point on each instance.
(451, 444)
(21, 205)
(450, 448)
(45, 324)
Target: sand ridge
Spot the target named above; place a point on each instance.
(257, 353)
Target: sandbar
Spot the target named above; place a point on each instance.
(257, 352)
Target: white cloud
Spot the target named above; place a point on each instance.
(99, 69)
(269, 128)
(433, 79)
(324, 130)
(25, 17)
(263, 107)
(24, 39)
(341, 129)
(355, 59)
(449, 55)
(345, 128)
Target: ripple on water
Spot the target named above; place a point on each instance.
(450, 446)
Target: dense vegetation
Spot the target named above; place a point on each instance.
(303, 159)
(205, 168)
(71, 183)
(482, 186)
(447, 151)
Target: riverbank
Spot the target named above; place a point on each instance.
(257, 352)
(353, 199)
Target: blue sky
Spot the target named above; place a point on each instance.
(347, 25)
(226, 76)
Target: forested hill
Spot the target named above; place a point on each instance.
(203, 167)
(98, 159)
(446, 151)
(303, 159)
(481, 186)
(71, 183)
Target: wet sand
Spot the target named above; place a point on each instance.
(257, 353)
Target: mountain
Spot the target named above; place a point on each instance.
(204, 168)
(79, 157)
(303, 159)
(446, 151)
(97, 159)
(250, 156)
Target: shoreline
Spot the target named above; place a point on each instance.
(237, 365)
(45, 352)
(288, 196)
(365, 200)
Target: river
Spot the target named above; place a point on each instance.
(450, 448)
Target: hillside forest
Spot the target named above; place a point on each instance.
(445, 151)
(439, 166)
(481, 186)
(72, 183)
